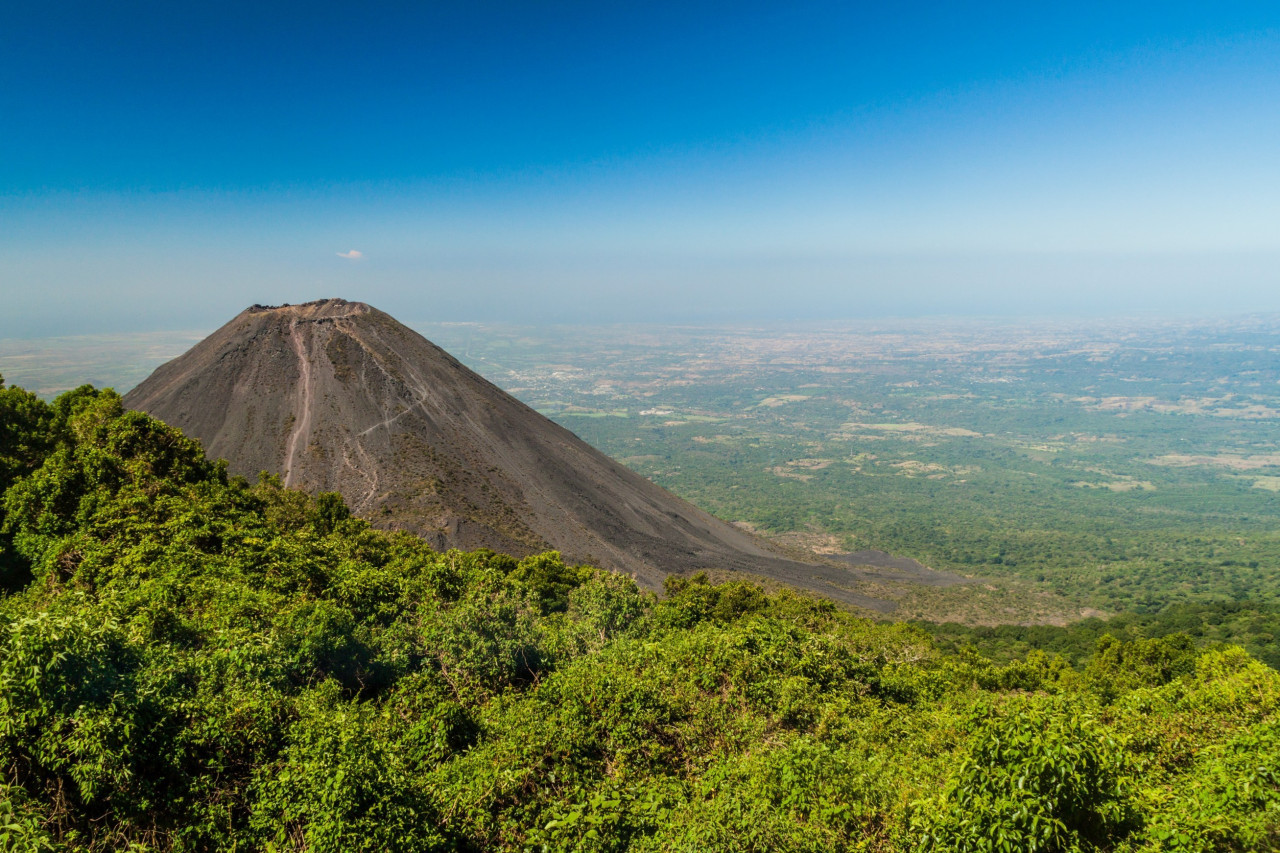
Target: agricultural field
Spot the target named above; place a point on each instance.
(1116, 467)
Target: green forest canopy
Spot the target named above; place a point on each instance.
(192, 662)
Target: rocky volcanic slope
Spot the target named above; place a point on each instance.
(338, 396)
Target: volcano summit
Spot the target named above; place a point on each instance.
(338, 396)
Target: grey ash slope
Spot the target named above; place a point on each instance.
(338, 396)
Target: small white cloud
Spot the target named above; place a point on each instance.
(353, 255)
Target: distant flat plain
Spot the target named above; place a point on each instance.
(1069, 467)
(49, 366)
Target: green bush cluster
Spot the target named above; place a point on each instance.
(192, 662)
(1250, 624)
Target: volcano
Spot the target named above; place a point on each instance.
(338, 396)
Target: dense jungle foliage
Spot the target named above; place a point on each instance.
(192, 662)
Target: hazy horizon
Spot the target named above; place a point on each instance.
(1137, 320)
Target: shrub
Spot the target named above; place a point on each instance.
(1038, 778)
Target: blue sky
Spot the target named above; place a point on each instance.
(162, 165)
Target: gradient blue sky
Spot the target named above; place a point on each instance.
(162, 165)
